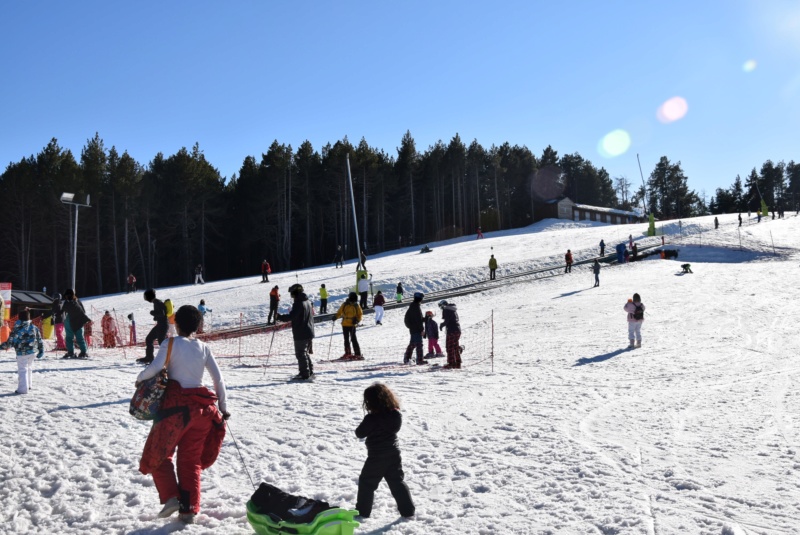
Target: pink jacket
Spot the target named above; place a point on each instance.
(630, 308)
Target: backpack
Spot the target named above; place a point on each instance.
(638, 314)
(168, 305)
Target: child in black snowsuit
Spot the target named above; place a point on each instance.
(380, 427)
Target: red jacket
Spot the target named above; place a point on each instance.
(379, 300)
(265, 267)
(178, 408)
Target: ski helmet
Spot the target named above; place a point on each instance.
(418, 296)
(442, 303)
(149, 294)
(295, 289)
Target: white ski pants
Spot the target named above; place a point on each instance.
(199, 278)
(378, 314)
(635, 331)
(25, 371)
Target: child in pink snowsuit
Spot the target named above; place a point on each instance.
(635, 309)
(432, 333)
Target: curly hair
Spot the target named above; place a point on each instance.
(379, 398)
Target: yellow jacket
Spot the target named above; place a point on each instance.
(351, 312)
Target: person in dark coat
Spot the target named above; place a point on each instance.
(596, 270)
(302, 319)
(58, 321)
(416, 326)
(492, 267)
(274, 299)
(265, 271)
(379, 427)
(363, 260)
(159, 331)
(337, 258)
(451, 323)
(568, 261)
(76, 318)
(602, 248)
(398, 293)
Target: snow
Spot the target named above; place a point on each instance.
(566, 431)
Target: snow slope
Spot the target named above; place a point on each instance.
(564, 432)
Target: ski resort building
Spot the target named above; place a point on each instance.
(564, 208)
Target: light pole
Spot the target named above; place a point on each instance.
(69, 198)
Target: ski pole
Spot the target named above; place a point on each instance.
(330, 341)
(269, 351)
(240, 454)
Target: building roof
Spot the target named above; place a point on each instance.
(30, 299)
(635, 213)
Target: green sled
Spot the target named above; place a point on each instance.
(330, 522)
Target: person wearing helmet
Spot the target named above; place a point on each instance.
(302, 319)
(159, 332)
(351, 315)
(450, 321)
(416, 328)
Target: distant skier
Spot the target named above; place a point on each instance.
(274, 300)
(432, 334)
(398, 294)
(480, 234)
(716, 223)
(602, 248)
(492, 268)
(363, 260)
(596, 270)
(265, 271)
(198, 274)
(337, 258)
(323, 299)
(630, 241)
(203, 309)
(451, 323)
(131, 283)
(109, 326)
(363, 290)
(740, 219)
(568, 261)
(415, 326)
(351, 315)
(302, 318)
(635, 309)
(377, 303)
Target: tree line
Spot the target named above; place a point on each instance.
(777, 184)
(291, 207)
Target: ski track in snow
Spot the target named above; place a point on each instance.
(695, 432)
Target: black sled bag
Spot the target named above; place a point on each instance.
(282, 506)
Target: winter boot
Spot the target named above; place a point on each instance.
(170, 508)
(69, 356)
(631, 345)
(638, 343)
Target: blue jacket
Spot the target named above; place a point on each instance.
(25, 338)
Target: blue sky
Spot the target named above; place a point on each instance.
(234, 76)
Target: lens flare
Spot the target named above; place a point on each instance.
(614, 143)
(672, 110)
(749, 65)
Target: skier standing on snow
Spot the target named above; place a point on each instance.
(380, 427)
(377, 303)
(740, 220)
(159, 332)
(302, 318)
(416, 328)
(432, 334)
(351, 315)
(450, 321)
(635, 309)
(568, 261)
(716, 223)
(602, 248)
(323, 300)
(492, 267)
(363, 290)
(274, 299)
(398, 293)
(27, 342)
(265, 271)
(596, 270)
(198, 274)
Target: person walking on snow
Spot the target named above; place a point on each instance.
(198, 274)
(337, 258)
(351, 315)
(492, 267)
(398, 293)
(74, 321)
(596, 271)
(302, 318)
(635, 309)
(451, 323)
(191, 420)
(157, 333)
(58, 321)
(27, 342)
(602, 248)
(432, 334)
(323, 299)
(265, 271)
(568, 261)
(274, 299)
(377, 303)
(363, 290)
(109, 327)
(416, 328)
(131, 283)
(379, 428)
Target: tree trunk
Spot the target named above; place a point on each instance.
(98, 250)
(116, 247)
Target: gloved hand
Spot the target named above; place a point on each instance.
(225, 415)
(40, 354)
(210, 310)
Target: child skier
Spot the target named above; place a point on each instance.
(27, 342)
(351, 315)
(379, 428)
(399, 292)
(274, 299)
(203, 309)
(377, 303)
(635, 309)
(323, 299)
(432, 333)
